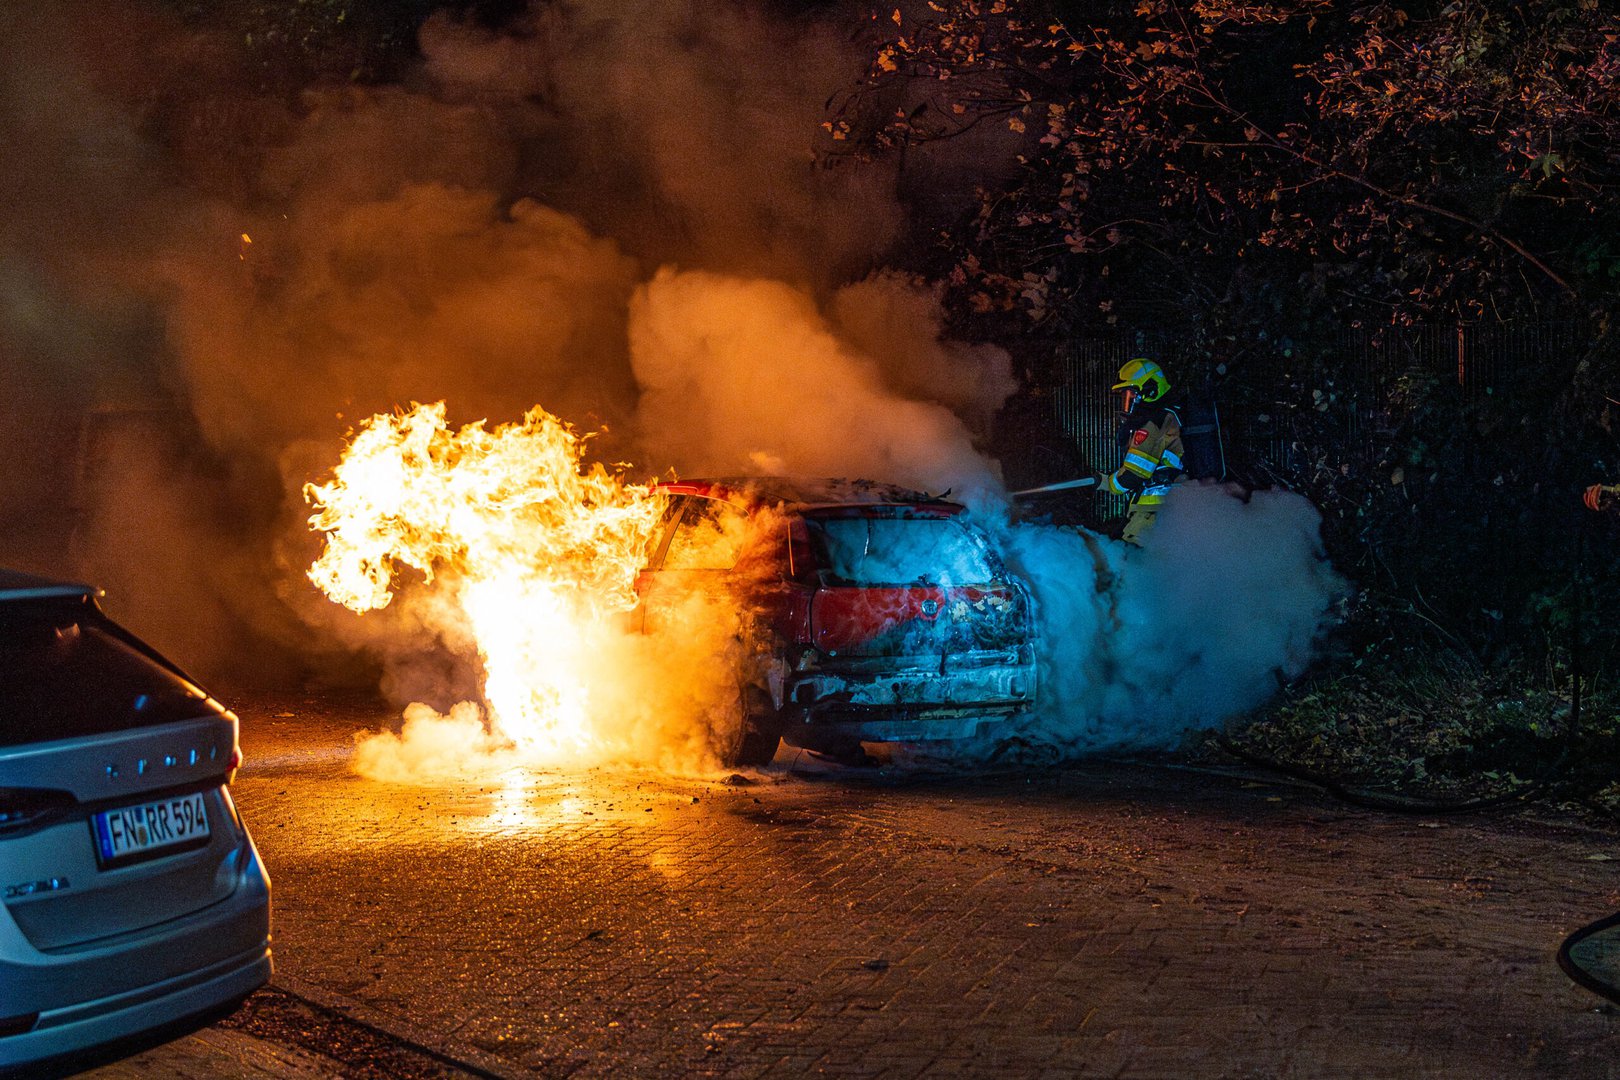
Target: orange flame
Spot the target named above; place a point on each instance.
(538, 554)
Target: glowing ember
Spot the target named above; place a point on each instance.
(537, 555)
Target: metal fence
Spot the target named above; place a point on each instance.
(1273, 395)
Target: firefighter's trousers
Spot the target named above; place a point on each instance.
(1139, 522)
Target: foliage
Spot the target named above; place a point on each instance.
(291, 43)
(1225, 161)
(1405, 712)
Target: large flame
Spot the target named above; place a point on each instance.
(538, 554)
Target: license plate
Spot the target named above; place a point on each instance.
(130, 833)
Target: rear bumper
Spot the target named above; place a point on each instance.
(891, 727)
(909, 700)
(227, 952)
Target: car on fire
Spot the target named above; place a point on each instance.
(133, 906)
(878, 614)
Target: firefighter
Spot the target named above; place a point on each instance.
(1150, 436)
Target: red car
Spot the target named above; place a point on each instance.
(877, 614)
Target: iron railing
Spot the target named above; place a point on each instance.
(1267, 399)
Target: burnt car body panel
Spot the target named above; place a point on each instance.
(889, 618)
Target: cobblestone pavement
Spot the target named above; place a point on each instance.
(1110, 920)
(220, 1054)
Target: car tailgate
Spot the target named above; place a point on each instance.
(917, 620)
(59, 884)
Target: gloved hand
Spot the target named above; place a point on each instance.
(1601, 496)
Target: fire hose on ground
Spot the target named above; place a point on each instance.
(1399, 805)
(1579, 975)
(1543, 784)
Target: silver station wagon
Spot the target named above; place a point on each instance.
(133, 906)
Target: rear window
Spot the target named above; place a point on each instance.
(66, 670)
(899, 551)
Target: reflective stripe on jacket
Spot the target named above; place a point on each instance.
(1153, 460)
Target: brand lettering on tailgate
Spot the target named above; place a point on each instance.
(33, 888)
(189, 756)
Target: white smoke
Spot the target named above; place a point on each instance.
(746, 375)
(1224, 602)
(431, 745)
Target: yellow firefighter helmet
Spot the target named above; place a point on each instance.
(1145, 378)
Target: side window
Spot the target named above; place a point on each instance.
(801, 552)
(709, 537)
(660, 536)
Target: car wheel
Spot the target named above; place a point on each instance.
(758, 731)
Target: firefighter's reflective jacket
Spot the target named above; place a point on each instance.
(1151, 437)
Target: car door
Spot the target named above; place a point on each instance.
(703, 544)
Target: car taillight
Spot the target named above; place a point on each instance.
(23, 808)
(234, 764)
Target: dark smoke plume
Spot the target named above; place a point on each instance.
(202, 286)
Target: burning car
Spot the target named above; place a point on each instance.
(132, 900)
(874, 613)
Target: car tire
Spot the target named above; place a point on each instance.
(758, 732)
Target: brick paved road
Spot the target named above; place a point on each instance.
(1107, 921)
